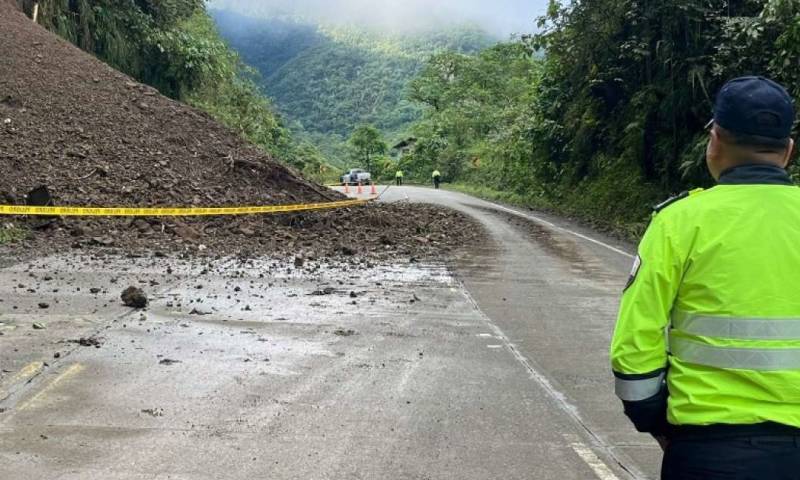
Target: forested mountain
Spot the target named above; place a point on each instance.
(328, 80)
(611, 120)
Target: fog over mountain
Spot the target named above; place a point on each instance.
(501, 17)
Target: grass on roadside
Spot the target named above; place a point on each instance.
(487, 193)
(578, 206)
(13, 234)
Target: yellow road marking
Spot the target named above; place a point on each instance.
(70, 372)
(26, 373)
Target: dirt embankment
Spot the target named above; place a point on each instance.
(401, 232)
(95, 137)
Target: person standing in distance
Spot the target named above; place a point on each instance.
(706, 351)
(398, 178)
(437, 178)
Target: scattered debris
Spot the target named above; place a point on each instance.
(38, 326)
(322, 292)
(44, 305)
(101, 241)
(87, 342)
(154, 412)
(134, 297)
(344, 333)
(169, 361)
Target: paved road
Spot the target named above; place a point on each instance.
(552, 288)
(256, 369)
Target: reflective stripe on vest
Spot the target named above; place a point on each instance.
(638, 390)
(760, 359)
(737, 328)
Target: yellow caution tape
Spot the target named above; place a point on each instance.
(171, 212)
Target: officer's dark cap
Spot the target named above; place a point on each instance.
(756, 111)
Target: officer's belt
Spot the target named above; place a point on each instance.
(735, 328)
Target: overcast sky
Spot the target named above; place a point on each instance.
(502, 17)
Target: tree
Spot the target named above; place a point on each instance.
(610, 120)
(367, 142)
(174, 46)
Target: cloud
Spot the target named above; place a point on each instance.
(502, 17)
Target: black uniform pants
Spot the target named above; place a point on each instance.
(754, 458)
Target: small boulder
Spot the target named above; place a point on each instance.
(102, 241)
(247, 232)
(187, 233)
(134, 297)
(39, 196)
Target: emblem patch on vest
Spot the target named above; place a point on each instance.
(637, 264)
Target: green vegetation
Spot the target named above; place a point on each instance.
(174, 46)
(11, 234)
(367, 143)
(611, 120)
(328, 81)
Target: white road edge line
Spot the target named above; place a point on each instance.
(561, 229)
(558, 398)
(587, 455)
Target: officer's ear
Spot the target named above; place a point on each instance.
(714, 153)
(787, 159)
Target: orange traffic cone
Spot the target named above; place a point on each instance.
(373, 190)
(360, 189)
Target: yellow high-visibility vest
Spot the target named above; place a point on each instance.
(713, 309)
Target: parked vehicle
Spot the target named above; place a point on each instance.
(356, 176)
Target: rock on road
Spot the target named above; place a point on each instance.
(495, 367)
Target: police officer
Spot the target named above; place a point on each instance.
(706, 352)
(398, 178)
(437, 178)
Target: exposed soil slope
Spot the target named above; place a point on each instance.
(96, 137)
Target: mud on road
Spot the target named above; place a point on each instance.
(375, 232)
(258, 368)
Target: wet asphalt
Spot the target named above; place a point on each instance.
(492, 367)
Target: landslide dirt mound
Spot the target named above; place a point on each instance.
(397, 232)
(96, 137)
